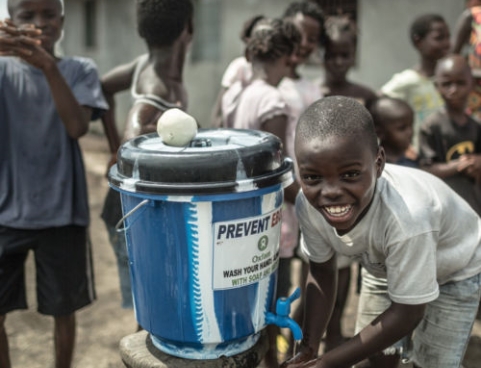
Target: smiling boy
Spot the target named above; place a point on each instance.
(402, 224)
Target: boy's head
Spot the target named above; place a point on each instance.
(161, 22)
(393, 119)
(46, 15)
(454, 81)
(272, 40)
(430, 36)
(339, 159)
(309, 18)
(340, 51)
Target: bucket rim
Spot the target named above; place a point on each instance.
(282, 175)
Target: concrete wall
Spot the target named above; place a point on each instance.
(117, 40)
(384, 46)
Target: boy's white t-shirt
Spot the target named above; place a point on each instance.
(418, 233)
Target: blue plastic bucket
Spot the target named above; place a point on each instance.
(203, 266)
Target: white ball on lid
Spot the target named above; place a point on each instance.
(176, 128)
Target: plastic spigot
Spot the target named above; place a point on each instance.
(281, 317)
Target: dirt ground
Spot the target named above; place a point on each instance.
(103, 324)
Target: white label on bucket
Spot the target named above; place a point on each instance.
(246, 250)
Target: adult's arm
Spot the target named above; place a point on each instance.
(116, 80)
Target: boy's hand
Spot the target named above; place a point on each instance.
(23, 42)
(470, 164)
(17, 41)
(304, 356)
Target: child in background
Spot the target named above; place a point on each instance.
(430, 36)
(260, 106)
(339, 58)
(393, 119)
(239, 69)
(402, 224)
(450, 138)
(46, 105)
(298, 92)
(468, 32)
(155, 80)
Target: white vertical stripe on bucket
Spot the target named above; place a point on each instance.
(209, 327)
(268, 205)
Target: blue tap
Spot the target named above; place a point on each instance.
(282, 319)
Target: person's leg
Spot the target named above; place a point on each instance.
(334, 335)
(117, 240)
(441, 338)
(14, 246)
(4, 351)
(64, 283)
(373, 301)
(64, 338)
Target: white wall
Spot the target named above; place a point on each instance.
(3, 9)
(385, 47)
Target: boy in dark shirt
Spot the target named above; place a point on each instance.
(451, 139)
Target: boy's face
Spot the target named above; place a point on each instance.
(436, 43)
(43, 14)
(338, 177)
(454, 83)
(339, 58)
(396, 132)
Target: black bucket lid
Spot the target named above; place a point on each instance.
(215, 161)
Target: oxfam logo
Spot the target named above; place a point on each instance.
(262, 243)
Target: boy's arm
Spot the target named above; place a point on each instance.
(396, 322)
(75, 117)
(440, 169)
(20, 42)
(117, 80)
(319, 303)
(462, 31)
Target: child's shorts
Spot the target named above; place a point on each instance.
(441, 338)
(63, 264)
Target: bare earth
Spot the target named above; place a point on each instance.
(104, 323)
